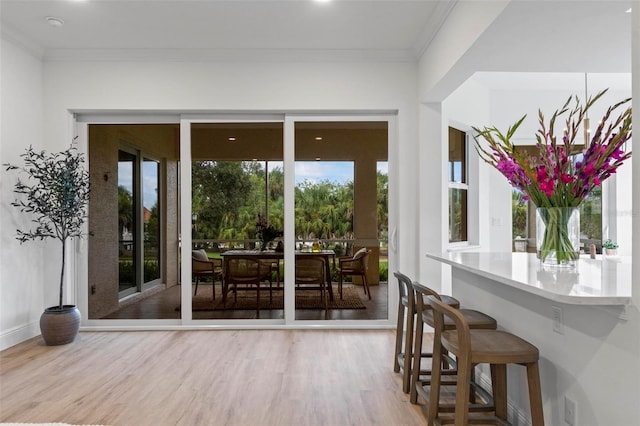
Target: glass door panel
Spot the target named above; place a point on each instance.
(127, 247)
(133, 248)
(151, 219)
(341, 220)
(237, 220)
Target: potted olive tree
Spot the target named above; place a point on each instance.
(54, 189)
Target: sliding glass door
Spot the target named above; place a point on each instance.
(239, 249)
(133, 220)
(237, 206)
(341, 219)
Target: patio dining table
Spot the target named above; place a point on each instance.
(277, 255)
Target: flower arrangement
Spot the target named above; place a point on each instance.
(266, 232)
(556, 177)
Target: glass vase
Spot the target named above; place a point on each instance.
(558, 235)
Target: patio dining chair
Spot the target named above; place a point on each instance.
(242, 273)
(357, 265)
(203, 266)
(310, 275)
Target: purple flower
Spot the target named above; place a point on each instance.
(508, 168)
(617, 154)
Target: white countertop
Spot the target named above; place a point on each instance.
(600, 281)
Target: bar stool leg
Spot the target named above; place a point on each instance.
(500, 390)
(462, 392)
(535, 394)
(434, 394)
(399, 332)
(408, 348)
(417, 352)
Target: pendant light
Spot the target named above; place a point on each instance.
(585, 123)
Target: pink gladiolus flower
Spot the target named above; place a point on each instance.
(507, 168)
(547, 187)
(542, 174)
(556, 174)
(589, 169)
(617, 154)
(566, 178)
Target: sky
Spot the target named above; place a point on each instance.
(333, 171)
(149, 180)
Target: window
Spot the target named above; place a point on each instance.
(458, 186)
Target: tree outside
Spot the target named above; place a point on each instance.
(228, 196)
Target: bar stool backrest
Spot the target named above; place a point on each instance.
(421, 292)
(405, 289)
(462, 326)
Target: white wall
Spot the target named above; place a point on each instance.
(490, 198)
(489, 193)
(250, 87)
(21, 266)
(596, 361)
(575, 364)
(182, 86)
(439, 75)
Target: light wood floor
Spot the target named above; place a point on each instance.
(226, 377)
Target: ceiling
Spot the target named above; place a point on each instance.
(560, 36)
(401, 26)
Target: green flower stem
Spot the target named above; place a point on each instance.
(556, 238)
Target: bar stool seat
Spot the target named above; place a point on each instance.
(421, 377)
(476, 320)
(405, 328)
(472, 347)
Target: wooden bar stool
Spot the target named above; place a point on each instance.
(471, 347)
(405, 328)
(421, 378)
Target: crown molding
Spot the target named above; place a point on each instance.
(232, 55)
(433, 25)
(23, 42)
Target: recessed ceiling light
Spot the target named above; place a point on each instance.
(232, 139)
(318, 138)
(54, 22)
(317, 158)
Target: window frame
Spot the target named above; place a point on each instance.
(463, 185)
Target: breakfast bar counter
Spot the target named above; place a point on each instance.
(600, 281)
(584, 321)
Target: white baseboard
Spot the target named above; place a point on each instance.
(19, 334)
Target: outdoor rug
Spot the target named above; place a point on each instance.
(305, 299)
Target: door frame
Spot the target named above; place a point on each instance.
(79, 127)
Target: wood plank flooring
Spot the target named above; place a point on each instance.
(222, 377)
